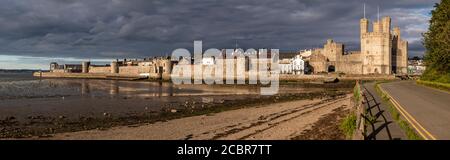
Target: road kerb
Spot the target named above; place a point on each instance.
(417, 126)
(436, 89)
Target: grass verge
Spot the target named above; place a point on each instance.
(348, 125)
(410, 132)
(437, 85)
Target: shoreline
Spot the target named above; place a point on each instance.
(280, 120)
(282, 77)
(44, 126)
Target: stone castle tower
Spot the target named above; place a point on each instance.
(382, 50)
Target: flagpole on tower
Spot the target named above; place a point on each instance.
(364, 10)
(378, 13)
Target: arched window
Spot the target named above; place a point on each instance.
(331, 68)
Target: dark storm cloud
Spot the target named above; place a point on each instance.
(140, 28)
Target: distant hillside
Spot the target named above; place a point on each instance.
(284, 55)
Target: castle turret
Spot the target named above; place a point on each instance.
(386, 24)
(114, 67)
(377, 26)
(364, 25)
(167, 69)
(396, 32)
(85, 67)
(53, 66)
(329, 41)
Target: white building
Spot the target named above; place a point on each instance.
(295, 66)
(184, 61)
(285, 66)
(416, 67)
(306, 53)
(208, 61)
(298, 65)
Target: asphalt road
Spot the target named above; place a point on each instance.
(429, 107)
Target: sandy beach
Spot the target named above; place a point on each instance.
(279, 121)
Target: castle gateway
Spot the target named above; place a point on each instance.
(382, 52)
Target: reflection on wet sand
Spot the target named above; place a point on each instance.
(46, 88)
(74, 98)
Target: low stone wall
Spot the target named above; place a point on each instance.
(85, 75)
(367, 77)
(69, 75)
(291, 77)
(58, 71)
(135, 71)
(359, 111)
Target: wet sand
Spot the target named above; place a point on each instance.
(42, 108)
(279, 121)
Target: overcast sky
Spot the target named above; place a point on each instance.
(36, 32)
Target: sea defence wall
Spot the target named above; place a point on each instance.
(155, 68)
(86, 75)
(164, 69)
(102, 73)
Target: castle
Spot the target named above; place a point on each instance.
(382, 52)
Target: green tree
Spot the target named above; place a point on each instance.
(437, 44)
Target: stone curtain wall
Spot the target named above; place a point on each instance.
(134, 70)
(349, 64)
(123, 70)
(105, 69)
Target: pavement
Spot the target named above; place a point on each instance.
(385, 128)
(428, 109)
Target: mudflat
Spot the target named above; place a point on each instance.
(279, 121)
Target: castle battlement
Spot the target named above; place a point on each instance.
(375, 34)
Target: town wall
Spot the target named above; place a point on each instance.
(99, 69)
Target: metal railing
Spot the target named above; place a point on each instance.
(368, 114)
